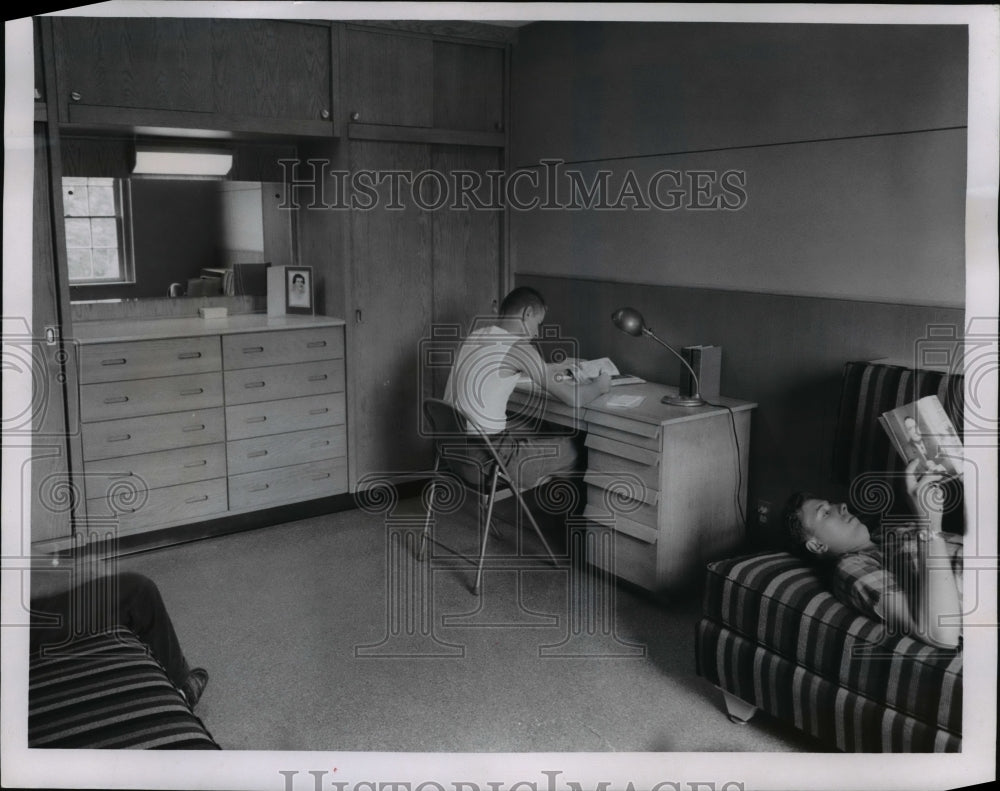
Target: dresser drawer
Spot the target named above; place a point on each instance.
(156, 507)
(249, 385)
(283, 484)
(282, 347)
(115, 362)
(111, 438)
(157, 470)
(280, 417)
(113, 400)
(608, 457)
(280, 450)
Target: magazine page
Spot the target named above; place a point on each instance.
(922, 430)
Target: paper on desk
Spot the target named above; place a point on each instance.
(625, 401)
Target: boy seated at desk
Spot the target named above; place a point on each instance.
(488, 367)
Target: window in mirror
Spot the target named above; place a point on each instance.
(98, 223)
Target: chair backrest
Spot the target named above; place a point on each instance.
(449, 429)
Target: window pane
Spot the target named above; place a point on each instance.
(75, 202)
(80, 266)
(102, 201)
(78, 232)
(106, 263)
(104, 231)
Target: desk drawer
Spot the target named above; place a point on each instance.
(612, 502)
(647, 534)
(280, 450)
(157, 470)
(283, 484)
(173, 504)
(282, 347)
(281, 417)
(113, 400)
(116, 362)
(250, 385)
(111, 438)
(622, 556)
(609, 456)
(630, 432)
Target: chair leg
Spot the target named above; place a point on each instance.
(534, 524)
(486, 528)
(425, 536)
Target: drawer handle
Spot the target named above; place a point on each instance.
(253, 349)
(193, 391)
(253, 384)
(256, 454)
(189, 355)
(199, 499)
(116, 361)
(200, 427)
(116, 400)
(258, 419)
(259, 487)
(320, 477)
(318, 378)
(320, 443)
(120, 438)
(320, 411)
(201, 463)
(315, 344)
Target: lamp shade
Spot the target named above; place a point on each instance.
(628, 320)
(164, 161)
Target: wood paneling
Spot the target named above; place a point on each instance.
(390, 78)
(468, 87)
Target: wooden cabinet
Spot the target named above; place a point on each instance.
(265, 76)
(176, 430)
(409, 80)
(666, 485)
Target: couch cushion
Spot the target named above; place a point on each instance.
(780, 602)
(105, 690)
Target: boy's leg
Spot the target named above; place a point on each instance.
(140, 607)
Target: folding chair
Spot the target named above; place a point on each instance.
(449, 431)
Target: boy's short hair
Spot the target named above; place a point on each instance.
(796, 535)
(520, 299)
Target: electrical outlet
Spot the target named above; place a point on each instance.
(763, 512)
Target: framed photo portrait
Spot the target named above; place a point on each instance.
(299, 290)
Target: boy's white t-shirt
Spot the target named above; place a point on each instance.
(480, 383)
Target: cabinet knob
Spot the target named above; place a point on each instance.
(324, 114)
(75, 96)
(355, 116)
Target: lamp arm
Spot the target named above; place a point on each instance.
(672, 350)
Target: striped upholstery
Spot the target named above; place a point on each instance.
(826, 710)
(106, 691)
(780, 604)
(868, 390)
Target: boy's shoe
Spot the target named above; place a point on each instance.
(194, 686)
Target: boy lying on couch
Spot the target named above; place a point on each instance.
(902, 578)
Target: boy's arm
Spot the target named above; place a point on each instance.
(938, 594)
(554, 379)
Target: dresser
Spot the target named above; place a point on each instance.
(666, 485)
(190, 419)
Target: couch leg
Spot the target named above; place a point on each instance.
(739, 710)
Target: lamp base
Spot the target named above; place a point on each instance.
(695, 400)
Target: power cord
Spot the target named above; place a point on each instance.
(739, 462)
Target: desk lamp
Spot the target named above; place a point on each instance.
(629, 320)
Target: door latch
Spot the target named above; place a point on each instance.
(51, 335)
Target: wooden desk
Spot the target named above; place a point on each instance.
(664, 483)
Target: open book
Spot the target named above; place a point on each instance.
(586, 370)
(922, 430)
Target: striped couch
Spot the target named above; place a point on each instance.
(773, 637)
(107, 691)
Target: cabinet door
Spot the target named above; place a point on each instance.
(43, 366)
(468, 87)
(466, 251)
(391, 304)
(390, 79)
(161, 63)
(272, 69)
